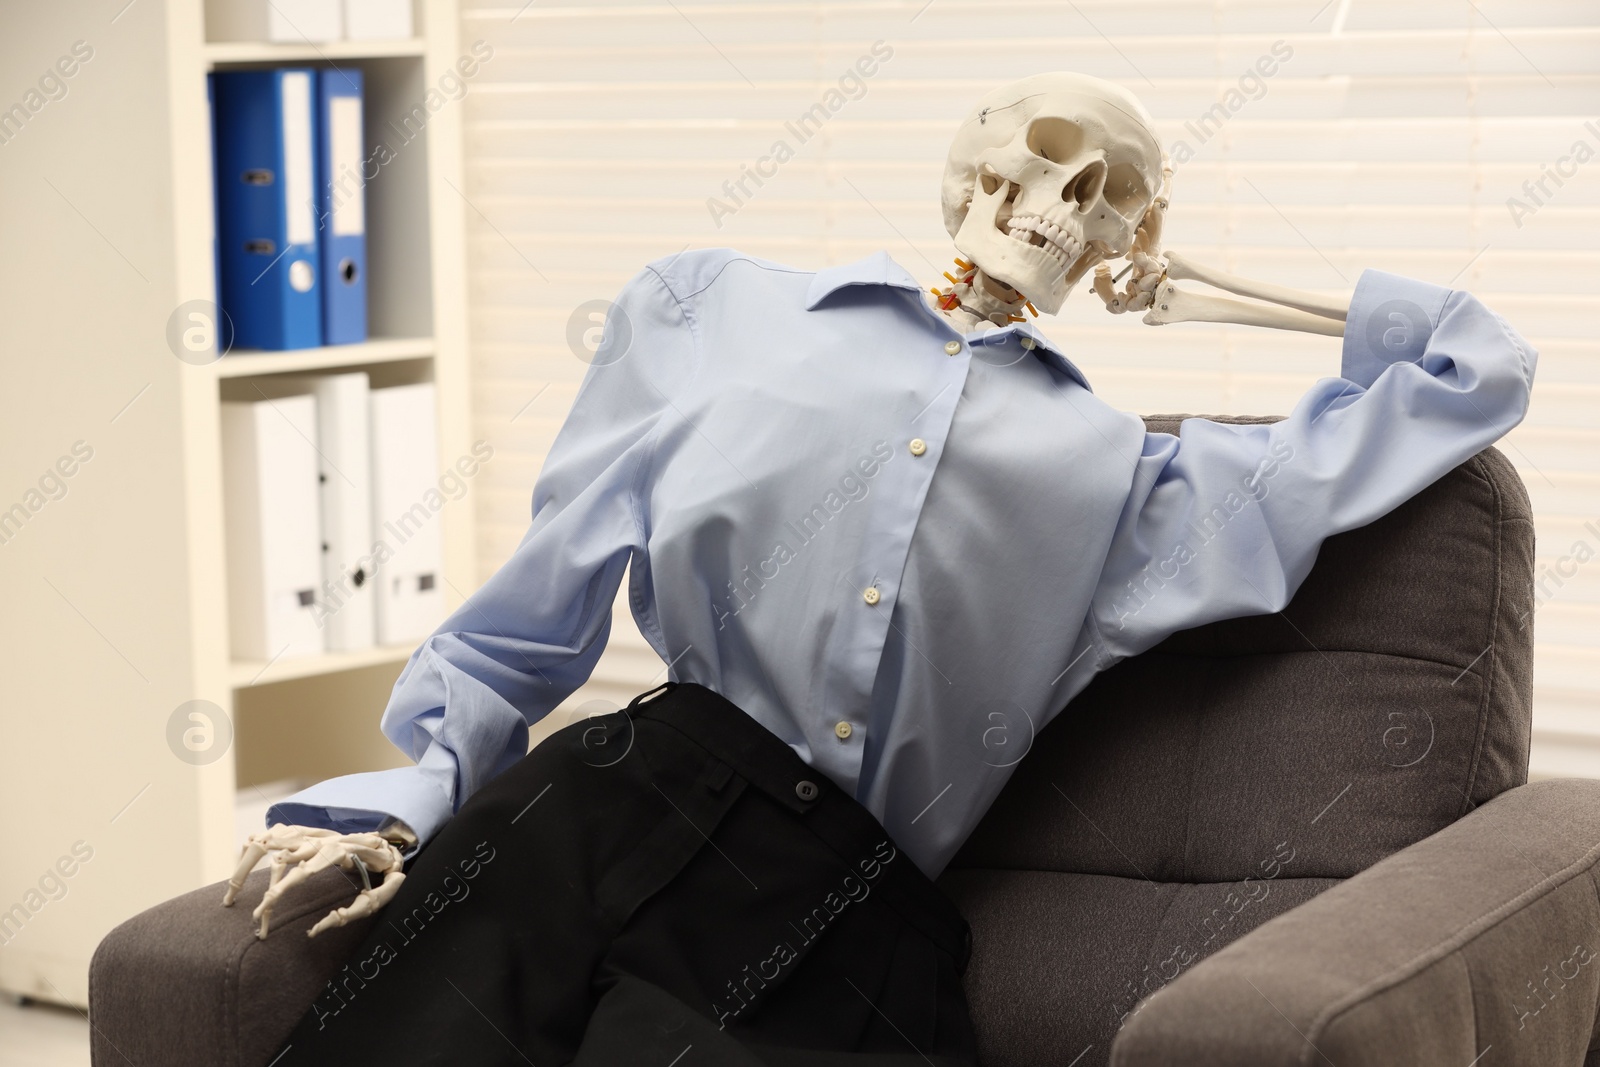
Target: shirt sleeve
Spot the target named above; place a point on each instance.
(1227, 520)
(532, 633)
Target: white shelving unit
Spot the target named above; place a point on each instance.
(220, 53)
(114, 600)
(247, 673)
(245, 364)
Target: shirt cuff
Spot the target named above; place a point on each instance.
(1390, 321)
(362, 803)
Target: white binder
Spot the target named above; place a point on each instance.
(405, 513)
(269, 470)
(284, 21)
(377, 20)
(345, 608)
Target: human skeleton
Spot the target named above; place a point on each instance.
(1048, 178)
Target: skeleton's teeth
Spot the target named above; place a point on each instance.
(1038, 232)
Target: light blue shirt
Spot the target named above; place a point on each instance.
(901, 548)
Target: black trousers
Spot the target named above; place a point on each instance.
(667, 885)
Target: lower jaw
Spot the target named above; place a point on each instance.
(1081, 266)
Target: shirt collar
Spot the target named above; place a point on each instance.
(876, 269)
(879, 269)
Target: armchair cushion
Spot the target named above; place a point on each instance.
(1059, 960)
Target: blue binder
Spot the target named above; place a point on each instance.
(342, 200)
(266, 124)
(216, 230)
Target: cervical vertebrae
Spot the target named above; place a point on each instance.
(971, 299)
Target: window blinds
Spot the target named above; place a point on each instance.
(1452, 140)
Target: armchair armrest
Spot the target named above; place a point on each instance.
(187, 984)
(1485, 935)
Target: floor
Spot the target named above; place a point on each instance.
(42, 1035)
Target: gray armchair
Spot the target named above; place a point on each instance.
(1294, 839)
(1304, 838)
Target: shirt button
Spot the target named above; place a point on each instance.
(842, 729)
(918, 446)
(806, 790)
(871, 594)
(952, 348)
(1026, 342)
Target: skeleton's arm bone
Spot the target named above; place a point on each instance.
(1182, 268)
(1177, 305)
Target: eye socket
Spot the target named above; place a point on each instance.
(1056, 139)
(1125, 189)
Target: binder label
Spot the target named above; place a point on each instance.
(298, 159)
(344, 150)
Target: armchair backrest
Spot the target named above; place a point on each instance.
(1390, 697)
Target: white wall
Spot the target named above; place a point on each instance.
(1391, 136)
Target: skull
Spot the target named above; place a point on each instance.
(1047, 177)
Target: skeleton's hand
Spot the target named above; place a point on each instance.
(1148, 267)
(298, 852)
(1150, 288)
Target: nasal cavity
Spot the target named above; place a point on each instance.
(1084, 189)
